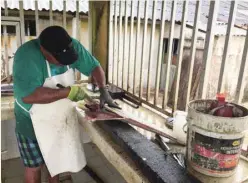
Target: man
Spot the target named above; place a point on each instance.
(39, 65)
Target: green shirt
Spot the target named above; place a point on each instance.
(30, 72)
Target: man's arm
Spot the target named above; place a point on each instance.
(43, 95)
(99, 76)
(88, 65)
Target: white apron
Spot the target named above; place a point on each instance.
(57, 129)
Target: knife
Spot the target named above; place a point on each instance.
(104, 109)
(60, 86)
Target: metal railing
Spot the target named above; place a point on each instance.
(136, 23)
(136, 50)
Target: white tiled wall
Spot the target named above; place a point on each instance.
(9, 140)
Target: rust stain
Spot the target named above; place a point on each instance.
(9, 41)
(2, 41)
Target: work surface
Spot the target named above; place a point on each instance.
(147, 116)
(113, 152)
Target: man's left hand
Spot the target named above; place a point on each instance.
(105, 98)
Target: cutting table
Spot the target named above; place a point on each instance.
(114, 153)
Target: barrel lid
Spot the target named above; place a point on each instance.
(221, 97)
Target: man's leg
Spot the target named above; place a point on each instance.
(31, 157)
(32, 175)
(50, 179)
(54, 179)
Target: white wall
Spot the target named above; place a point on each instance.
(43, 23)
(232, 65)
(136, 73)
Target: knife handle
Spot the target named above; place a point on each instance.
(60, 86)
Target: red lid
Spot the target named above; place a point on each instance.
(220, 97)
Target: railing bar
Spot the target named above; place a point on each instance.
(18, 35)
(136, 48)
(166, 112)
(21, 11)
(37, 25)
(119, 43)
(78, 26)
(124, 45)
(90, 27)
(110, 34)
(51, 12)
(193, 50)
(168, 58)
(5, 38)
(5, 8)
(243, 67)
(230, 26)
(114, 43)
(143, 49)
(6, 52)
(208, 48)
(11, 22)
(151, 50)
(77, 21)
(130, 43)
(64, 14)
(180, 54)
(160, 49)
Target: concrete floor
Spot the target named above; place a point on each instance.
(12, 170)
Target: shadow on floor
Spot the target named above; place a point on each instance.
(13, 169)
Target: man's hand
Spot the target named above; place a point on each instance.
(99, 76)
(106, 98)
(77, 93)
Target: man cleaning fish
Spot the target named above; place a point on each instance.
(43, 74)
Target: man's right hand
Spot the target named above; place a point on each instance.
(106, 98)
